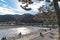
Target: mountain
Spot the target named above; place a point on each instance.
(18, 19)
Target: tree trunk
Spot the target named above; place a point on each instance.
(56, 6)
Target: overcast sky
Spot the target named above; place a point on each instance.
(13, 7)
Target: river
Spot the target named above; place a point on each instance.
(15, 31)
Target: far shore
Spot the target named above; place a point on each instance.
(13, 26)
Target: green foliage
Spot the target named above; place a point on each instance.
(46, 17)
(58, 0)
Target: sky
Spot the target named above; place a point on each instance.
(13, 7)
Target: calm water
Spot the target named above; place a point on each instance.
(15, 31)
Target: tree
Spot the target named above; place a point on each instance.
(56, 6)
(46, 17)
(46, 14)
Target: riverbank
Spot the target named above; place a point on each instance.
(17, 26)
(9, 26)
(13, 26)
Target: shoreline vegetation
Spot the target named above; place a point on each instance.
(17, 26)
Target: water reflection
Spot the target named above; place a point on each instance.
(15, 31)
(23, 30)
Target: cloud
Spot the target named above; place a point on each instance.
(3, 1)
(34, 6)
(7, 11)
